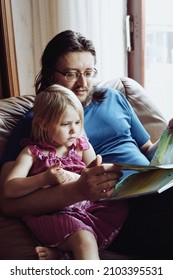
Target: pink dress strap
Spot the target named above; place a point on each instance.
(82, 143)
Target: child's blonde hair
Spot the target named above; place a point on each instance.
(49, 106)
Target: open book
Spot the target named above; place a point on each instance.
(157, 177)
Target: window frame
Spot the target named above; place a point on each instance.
(8, 62)
(136, 57)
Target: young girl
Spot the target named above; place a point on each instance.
(58, 149)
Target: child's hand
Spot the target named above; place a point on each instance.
(56, 175)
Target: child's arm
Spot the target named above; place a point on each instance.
(17, 183)
(88, 155)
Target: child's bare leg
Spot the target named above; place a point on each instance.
(82, 244)
(45, 253)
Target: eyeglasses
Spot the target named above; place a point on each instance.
(73, 76)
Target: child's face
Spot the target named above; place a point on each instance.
(69, 128)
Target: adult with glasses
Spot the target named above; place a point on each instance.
(116, 134)
(73, 76)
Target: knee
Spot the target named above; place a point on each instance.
(84, 239)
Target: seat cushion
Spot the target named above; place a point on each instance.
(16, 240)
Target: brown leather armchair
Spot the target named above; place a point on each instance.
(16, 241)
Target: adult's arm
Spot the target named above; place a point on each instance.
(89, 186)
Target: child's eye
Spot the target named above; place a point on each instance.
(64, 124)
(78, 122)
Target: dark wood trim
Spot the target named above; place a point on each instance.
(8, 64)
(136, 58)
(1, 91)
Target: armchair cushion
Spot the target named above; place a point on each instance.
(11, 109)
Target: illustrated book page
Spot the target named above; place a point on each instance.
(156, 177)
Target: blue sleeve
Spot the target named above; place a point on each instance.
(138, 132)
(21, 130)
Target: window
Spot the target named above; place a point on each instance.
(159, 53)
(151, 59)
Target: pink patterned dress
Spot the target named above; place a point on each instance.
(103, 219)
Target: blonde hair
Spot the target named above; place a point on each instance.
(49, 106)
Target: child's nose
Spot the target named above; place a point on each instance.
(72, 129)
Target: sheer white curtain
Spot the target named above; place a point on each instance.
(37, 21)
(44, 19)
(102, 21)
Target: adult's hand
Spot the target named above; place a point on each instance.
(98, 180)
(56, 175)
(97, 161)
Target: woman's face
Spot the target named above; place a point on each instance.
(76, 62)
